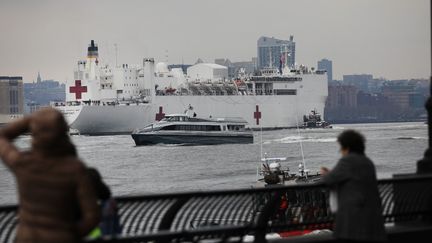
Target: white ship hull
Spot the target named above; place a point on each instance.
(276, 112)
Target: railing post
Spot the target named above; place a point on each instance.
(168, 218)
(261, 223)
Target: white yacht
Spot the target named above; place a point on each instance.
(183, 129)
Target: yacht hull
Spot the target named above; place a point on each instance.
(191, 139)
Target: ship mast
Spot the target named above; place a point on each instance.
(301, 143)
(301, 147)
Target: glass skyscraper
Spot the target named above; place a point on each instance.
(327, 65)
(275, 53)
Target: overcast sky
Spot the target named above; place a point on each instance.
(387, 38)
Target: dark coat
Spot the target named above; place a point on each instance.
(359, 214)
(57, 202)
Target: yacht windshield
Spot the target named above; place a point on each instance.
(174, 118)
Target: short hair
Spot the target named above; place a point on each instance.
(353, 141)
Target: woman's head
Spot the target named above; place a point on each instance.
(351, 141)
(50, 132)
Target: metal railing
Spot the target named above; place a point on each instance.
(230, 215)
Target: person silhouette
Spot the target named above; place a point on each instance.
(355, 198)
(57, 202)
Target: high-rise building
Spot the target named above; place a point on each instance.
(275, 53)
(325, 64)
(11, 98)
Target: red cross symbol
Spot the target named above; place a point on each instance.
(160, 115)
(78, 89)
(257, 115)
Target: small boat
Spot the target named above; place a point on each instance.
(183, 129)
(272, 173)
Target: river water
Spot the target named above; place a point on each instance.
(131, 170)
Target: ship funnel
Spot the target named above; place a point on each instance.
(92, 50)
(149, 75)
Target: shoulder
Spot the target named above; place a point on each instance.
(360, 163)
(354, 158)
(74, 165)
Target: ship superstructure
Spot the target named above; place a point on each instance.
(110, 100)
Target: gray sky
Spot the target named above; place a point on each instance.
(387, 38)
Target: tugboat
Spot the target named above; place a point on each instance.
(313, 120)
(183, 129)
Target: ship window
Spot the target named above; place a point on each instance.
(214, 128)
(170, 127)
(285, 92)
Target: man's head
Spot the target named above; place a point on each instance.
(47, 127)
(351, 142)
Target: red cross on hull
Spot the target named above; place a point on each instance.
(78, 89)
(257, 114)
(160, 115)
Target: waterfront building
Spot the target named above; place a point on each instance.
(342, 95)
(43, 92)
(11, 98)
(360, 81)
(401, 93)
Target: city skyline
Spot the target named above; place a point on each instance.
(358, 36)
